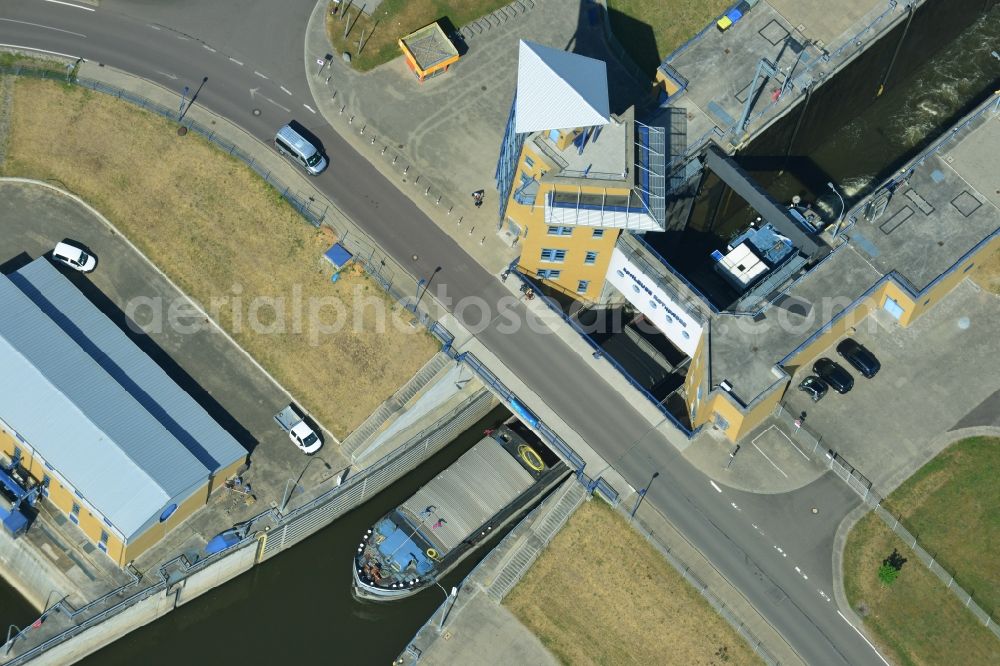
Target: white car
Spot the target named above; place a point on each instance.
(298, 430)
(74, 257)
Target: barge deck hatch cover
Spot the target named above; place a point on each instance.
(467, 494)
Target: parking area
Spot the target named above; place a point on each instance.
(940, 372)
(204, 362)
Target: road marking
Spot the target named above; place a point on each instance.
(259, 74)
(793, 445)
(70, 4)
(236, 61)
(865, 638)
(47, 27)
(169, 76)
(715, 486)
(769, 460)
(32, 48)
(154, 27)
(733, 504)
(286, 90)
(208, 48)
(311, 110)
(253, 92)
(283, 108)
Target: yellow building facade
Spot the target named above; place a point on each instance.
(571, 175)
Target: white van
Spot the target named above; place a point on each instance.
(74, 257)
(290, 142)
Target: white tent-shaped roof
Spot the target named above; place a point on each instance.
(559, 90)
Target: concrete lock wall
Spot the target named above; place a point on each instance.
(104, 633)
(219, 572)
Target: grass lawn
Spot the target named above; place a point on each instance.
(915, 620)
(651, 29)
(952, 506)
(394, 19)
(986, 272)
(600, 594)
(220, 232)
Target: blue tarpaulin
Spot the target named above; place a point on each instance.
(338, 255)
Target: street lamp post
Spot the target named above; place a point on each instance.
(843, 209)
(642, 493)
(446, 607)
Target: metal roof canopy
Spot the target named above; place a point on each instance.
(96, 407)
(773, 213)
(559, 90)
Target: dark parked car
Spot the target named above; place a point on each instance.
(814, 386)
(857, 355)
(834, 374)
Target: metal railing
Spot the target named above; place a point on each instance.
(860, 484)
(491, 380)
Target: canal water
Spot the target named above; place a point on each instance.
(849, 134)
(14, 609)
(298, 605)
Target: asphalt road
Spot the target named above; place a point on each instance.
(740, 533)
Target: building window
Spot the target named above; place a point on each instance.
(598, 233)
(45, 485)
(968, 268)
(108, 523)
(78, 494)
(74, 514)
(549, 274)
(554, 256)
(169, 511)
(49, 466)
(560, 231)
(582, 286)
(591, 258)
(103, 544)
(721, 422)
(528, 162)
(17, 453)
(927, 302)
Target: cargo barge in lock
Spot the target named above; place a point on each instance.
(499, 479)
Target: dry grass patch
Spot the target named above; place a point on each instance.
(601, 594)
(986, 272)
(650, 30)
(228, 239)
(916, 620)
(395, 19)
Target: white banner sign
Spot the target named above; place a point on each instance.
(663, 311)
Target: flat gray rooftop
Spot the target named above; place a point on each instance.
(744, 351)
(949, 204)
(604, 158)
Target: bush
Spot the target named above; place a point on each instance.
(887, 574)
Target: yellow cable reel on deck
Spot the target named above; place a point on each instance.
(530, 457)
(431, 553)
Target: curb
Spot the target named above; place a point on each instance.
(169, 281)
